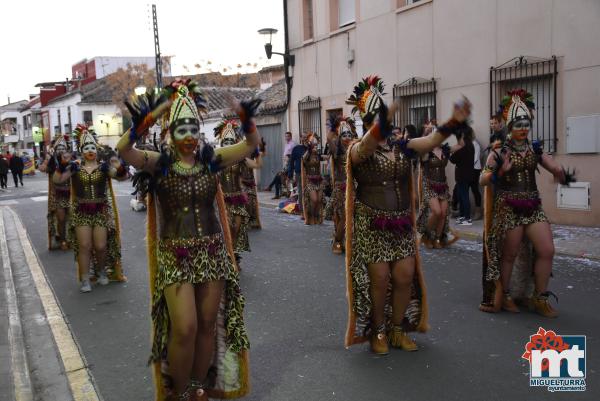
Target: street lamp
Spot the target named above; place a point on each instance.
(289, 59)
(140, 90)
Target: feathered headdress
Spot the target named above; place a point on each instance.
(517, 105)
(227, 129)
(189, 104)
(84, 135)
(343, 124)
(367, 97)
(60, 140)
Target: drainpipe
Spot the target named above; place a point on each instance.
(288, 79)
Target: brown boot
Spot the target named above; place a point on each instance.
(337, 248)
(379, 342)
(64, 246)
(399, 339)
(540, 304)
(438, 244)
(508, 304)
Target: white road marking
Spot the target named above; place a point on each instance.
(39, 198)
(77, 371)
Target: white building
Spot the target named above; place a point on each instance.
(10, 125)
(430, 52)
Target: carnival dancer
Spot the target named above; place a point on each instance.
(59, 195)
(518, 246)
(312, 181)
(252, 163)
(433, 221)
(94, 216)
(341, 132)
(200, 346)
(385, 285)
(236, 199)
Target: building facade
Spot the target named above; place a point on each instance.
(430, 52)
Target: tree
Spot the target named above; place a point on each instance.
(123, 82)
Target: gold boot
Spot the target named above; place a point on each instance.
(399, 339)
(379, 342)
(540, 304)
(508, 304)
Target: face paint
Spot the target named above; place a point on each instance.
(60, 148)
(228, 142)
(186, 137)
(89, 151)
(520, 129)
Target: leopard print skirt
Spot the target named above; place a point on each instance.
(58, 198)
(505, 218)
(241, 243)
(433, 190)
(372, 245)
(104, 217)
(313, 184)
(195, 261)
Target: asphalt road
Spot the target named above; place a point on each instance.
(296, 317)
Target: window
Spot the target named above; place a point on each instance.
(309, 116)
(346, 12)
(87, 117)
(59, 124)
(538, 77)
(307, 19)
(57, 129)
(67, 128)
(417, 100)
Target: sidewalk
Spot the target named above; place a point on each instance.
(42, 358)
(578, 242)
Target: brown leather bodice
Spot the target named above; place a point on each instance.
(89, 186)
(186, 204)
(247, 174)
(339, 167)
(383, 183)
(312, 165)
(521, 176)
(434, 168)
(231, 178)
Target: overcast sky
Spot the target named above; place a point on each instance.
(40, 40)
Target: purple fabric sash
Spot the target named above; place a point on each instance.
(237, 200)
(438, 187)
(398, 226)
(62, 193)
(91, 207)
(523, 207)
(315, 179)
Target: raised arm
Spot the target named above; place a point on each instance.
(140, 159)
(230, 155)
(560, 174)
(460, 113)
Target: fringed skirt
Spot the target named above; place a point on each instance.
(252, 205)
(511, 209)
(59, 197)
(433, 190)
(381, 236)
(236, 203)
(313, 183)
(98, 213)
(195, 261)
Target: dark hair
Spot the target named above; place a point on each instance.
(411, 131)
(288, 133)
(496, 117)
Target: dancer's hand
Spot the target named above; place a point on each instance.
(462, 110)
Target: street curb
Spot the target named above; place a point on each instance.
(80, 380)
(22, 387)
(478, 237)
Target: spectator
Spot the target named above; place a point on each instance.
(410, 132)
(497, 130)
(475, 180)
(462, 156)
(295, 167)
(16, 168)
(3, 172)
(289, 145)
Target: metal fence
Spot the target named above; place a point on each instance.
(309, 116)
(416, 98)
(538, 77)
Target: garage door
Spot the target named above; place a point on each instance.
(273, 160)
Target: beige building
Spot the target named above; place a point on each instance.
(429, 52)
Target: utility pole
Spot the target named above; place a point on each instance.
(157, 48)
